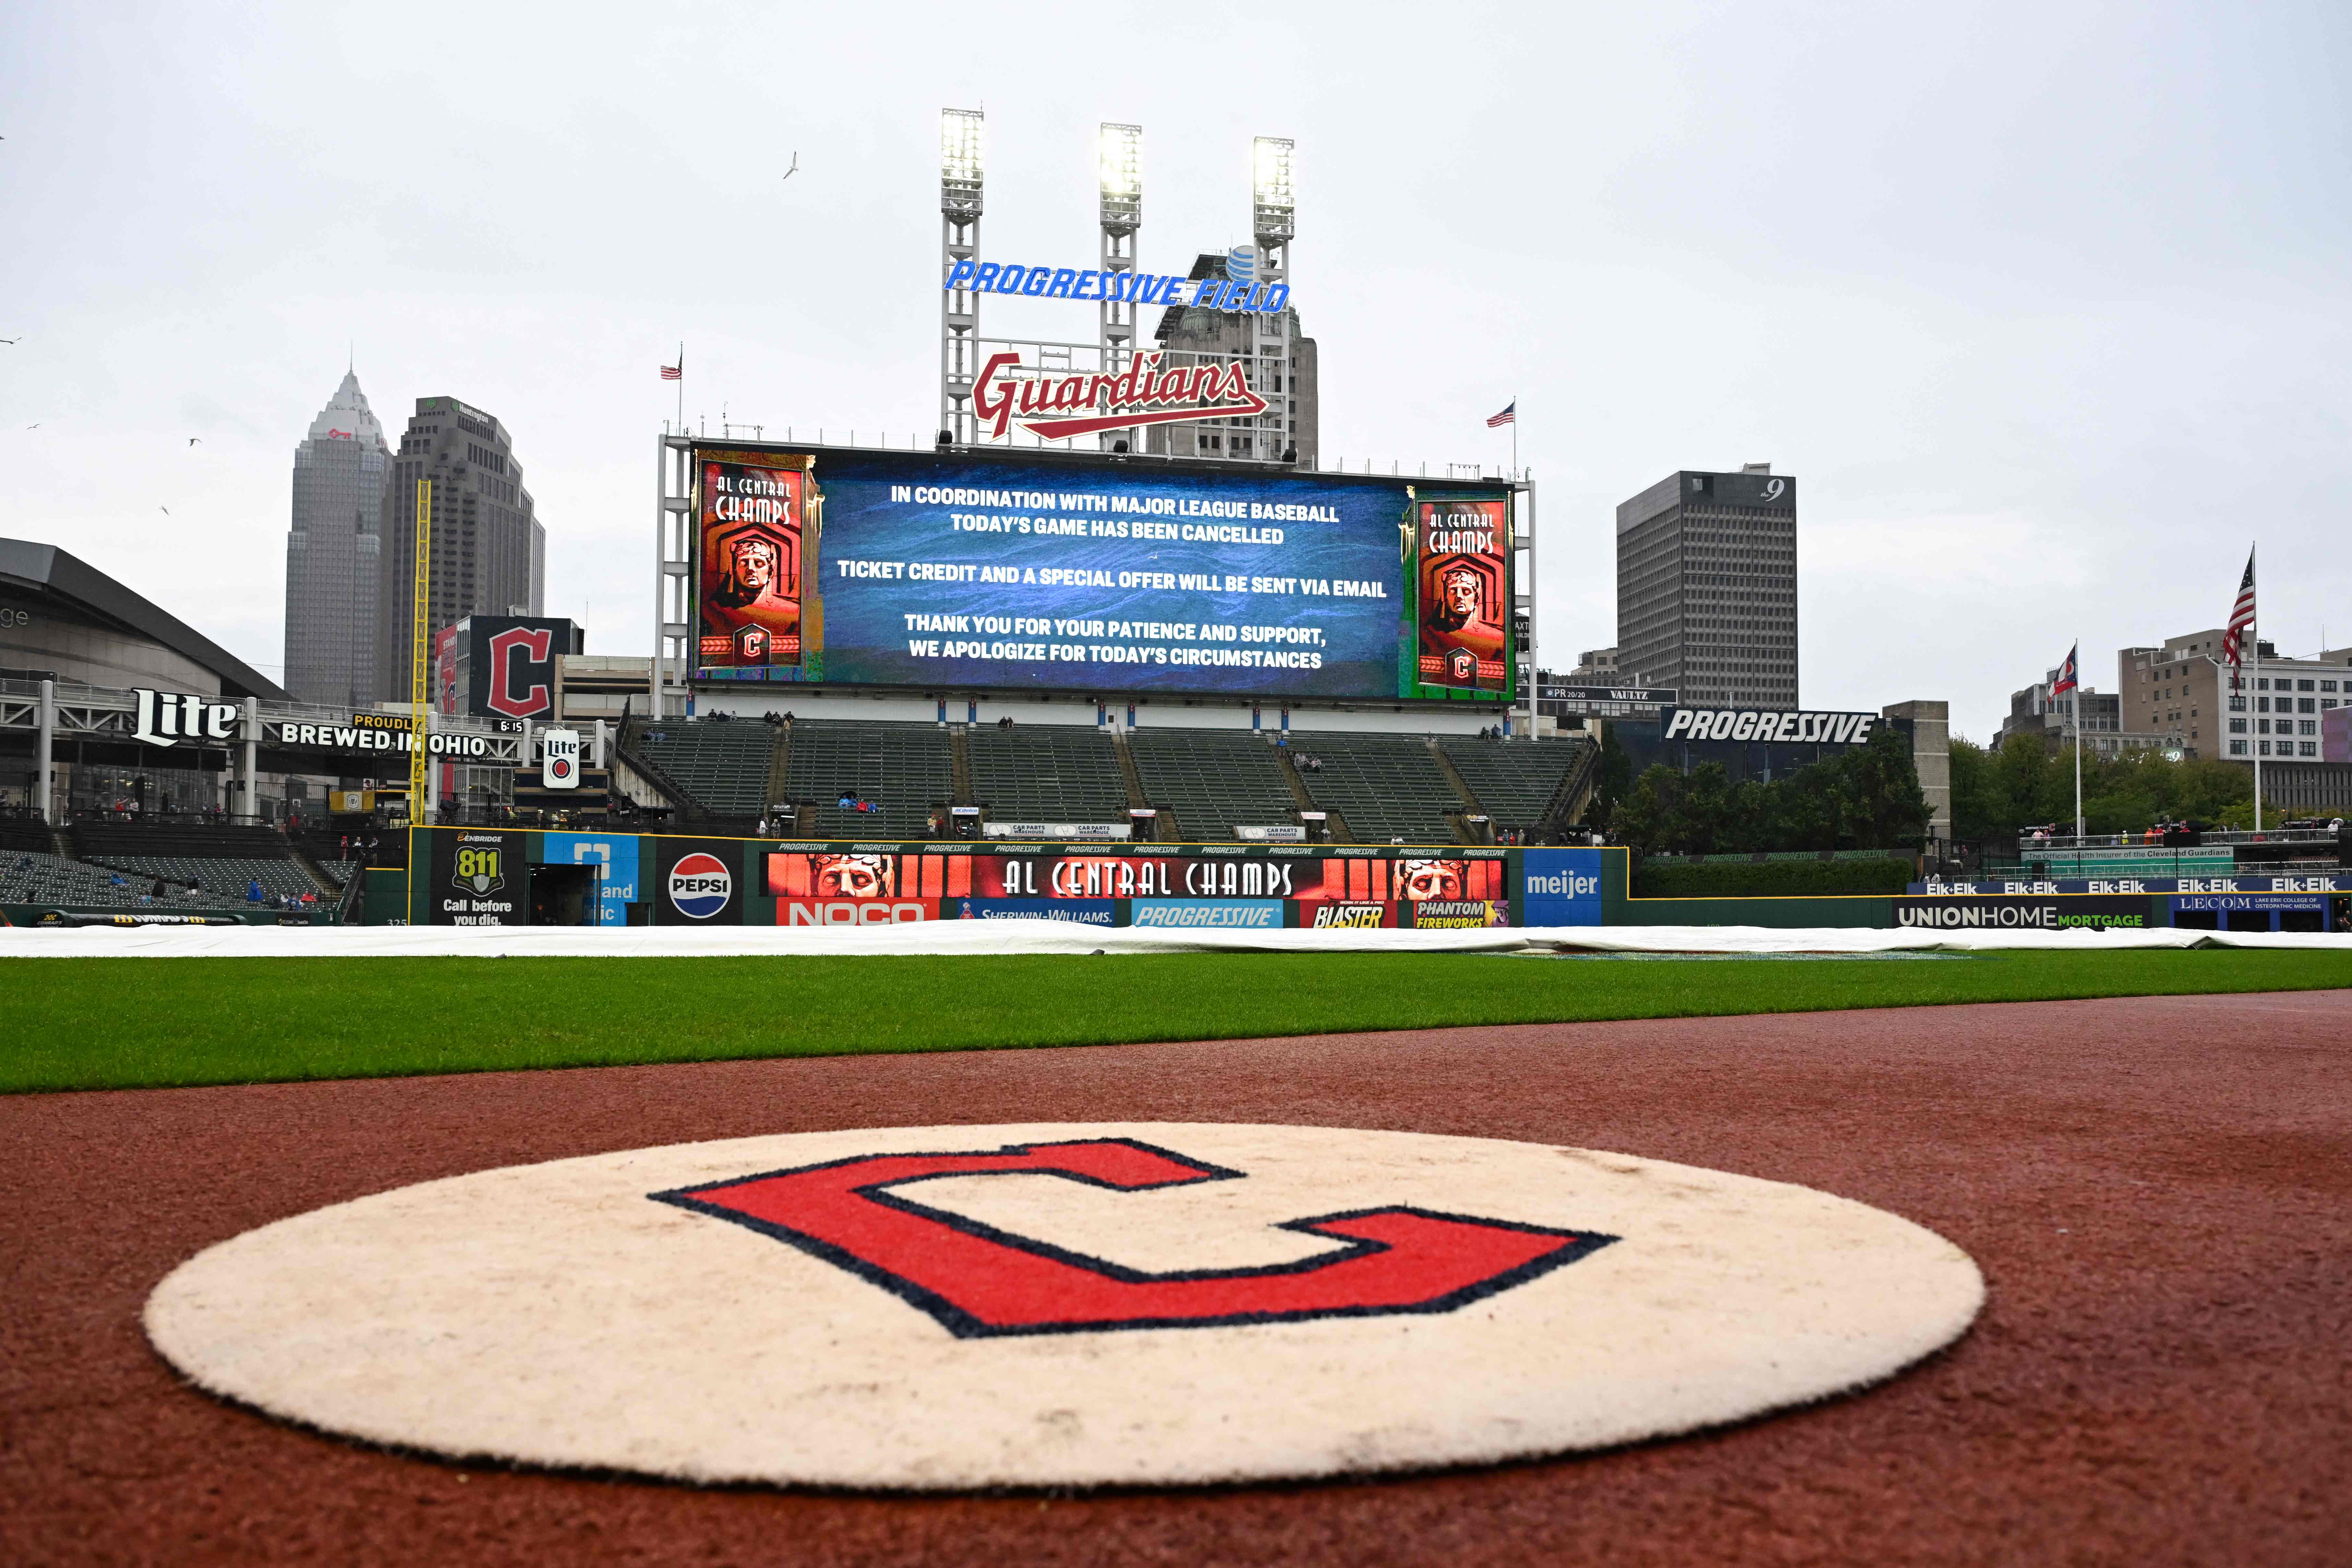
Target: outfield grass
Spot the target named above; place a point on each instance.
(116, 1023)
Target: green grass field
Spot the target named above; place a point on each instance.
(106, 1023)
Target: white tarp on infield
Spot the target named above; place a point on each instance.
(979, 937)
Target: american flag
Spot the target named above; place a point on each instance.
(2242, 616)
(1509, 416)
(2065, 680)
(674, 372)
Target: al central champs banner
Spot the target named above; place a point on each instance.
(928, 570)
(824, 887)
(1464, 593)
(758, 520)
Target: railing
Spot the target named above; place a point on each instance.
(884, 441)
(2028, 847)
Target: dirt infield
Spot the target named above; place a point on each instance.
(2159, 1191)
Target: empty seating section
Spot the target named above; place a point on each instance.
(27, 877)
(1386, 787)
(224, 861)
(341, 872)
(904, 770)
(721, 764)
(25, 833)
(1047, 774)
(1513, 780)
(1215, 781)
(225, 875)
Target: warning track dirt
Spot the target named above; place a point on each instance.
(2158, 1190)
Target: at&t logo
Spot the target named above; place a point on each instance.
(699, 885)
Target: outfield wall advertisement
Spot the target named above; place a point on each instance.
(916, 569)
(483, 876)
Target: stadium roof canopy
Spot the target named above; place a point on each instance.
(47, 571)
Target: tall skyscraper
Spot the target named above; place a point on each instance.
(332, 553)
(489, 552)
(1706, 588)
(1283, 369)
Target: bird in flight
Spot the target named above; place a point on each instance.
(11, 340)
(34, 426)
(165, 510)
(795, 168)
(194, 439)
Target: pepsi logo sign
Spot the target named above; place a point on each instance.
(699, 884)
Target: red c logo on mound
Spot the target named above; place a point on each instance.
(978, 1281)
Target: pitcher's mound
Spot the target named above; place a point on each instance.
(1060, 1305)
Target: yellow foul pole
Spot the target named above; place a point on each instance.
(420, 684)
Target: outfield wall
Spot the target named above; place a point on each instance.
(517, 877)
(468, 875)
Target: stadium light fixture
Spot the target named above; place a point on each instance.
(1275, 200)
(1120, 154)
(959, 161)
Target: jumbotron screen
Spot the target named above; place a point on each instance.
(921, 570)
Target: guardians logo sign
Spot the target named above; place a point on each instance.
(1464, 581)
(1057, 406)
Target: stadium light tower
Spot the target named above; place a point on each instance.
(1274, 218)
(959, 208)
(1119, 153)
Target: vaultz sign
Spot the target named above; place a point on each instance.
(1054, 407)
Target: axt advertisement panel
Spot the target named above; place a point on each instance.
(926, 569)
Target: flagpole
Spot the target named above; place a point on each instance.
(1515, 435)
(2254, 624)
(2075, 659)
(681, 386)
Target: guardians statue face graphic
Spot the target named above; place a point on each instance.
(754, 565)
(850, 877)
(1462, 602)
(1421, 880)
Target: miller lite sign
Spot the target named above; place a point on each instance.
(559, 766)
(167, 718)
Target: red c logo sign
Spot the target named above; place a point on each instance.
(535, 699)
(981, 1282)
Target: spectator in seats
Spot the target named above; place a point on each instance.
(253, 890)
(157, 890)
(848, 801)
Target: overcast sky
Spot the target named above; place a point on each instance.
(2045, 305)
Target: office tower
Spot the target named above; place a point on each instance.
(332, 554)
(1706, 588)
(488, 551)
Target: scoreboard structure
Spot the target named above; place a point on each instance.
(993, 572)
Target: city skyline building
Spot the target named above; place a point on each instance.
(2181, 687)
(1282, 365)
(1706, 588)
(489, 553)
(333, 552)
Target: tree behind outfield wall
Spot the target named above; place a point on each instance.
(1995, 794)
(1866, 797)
